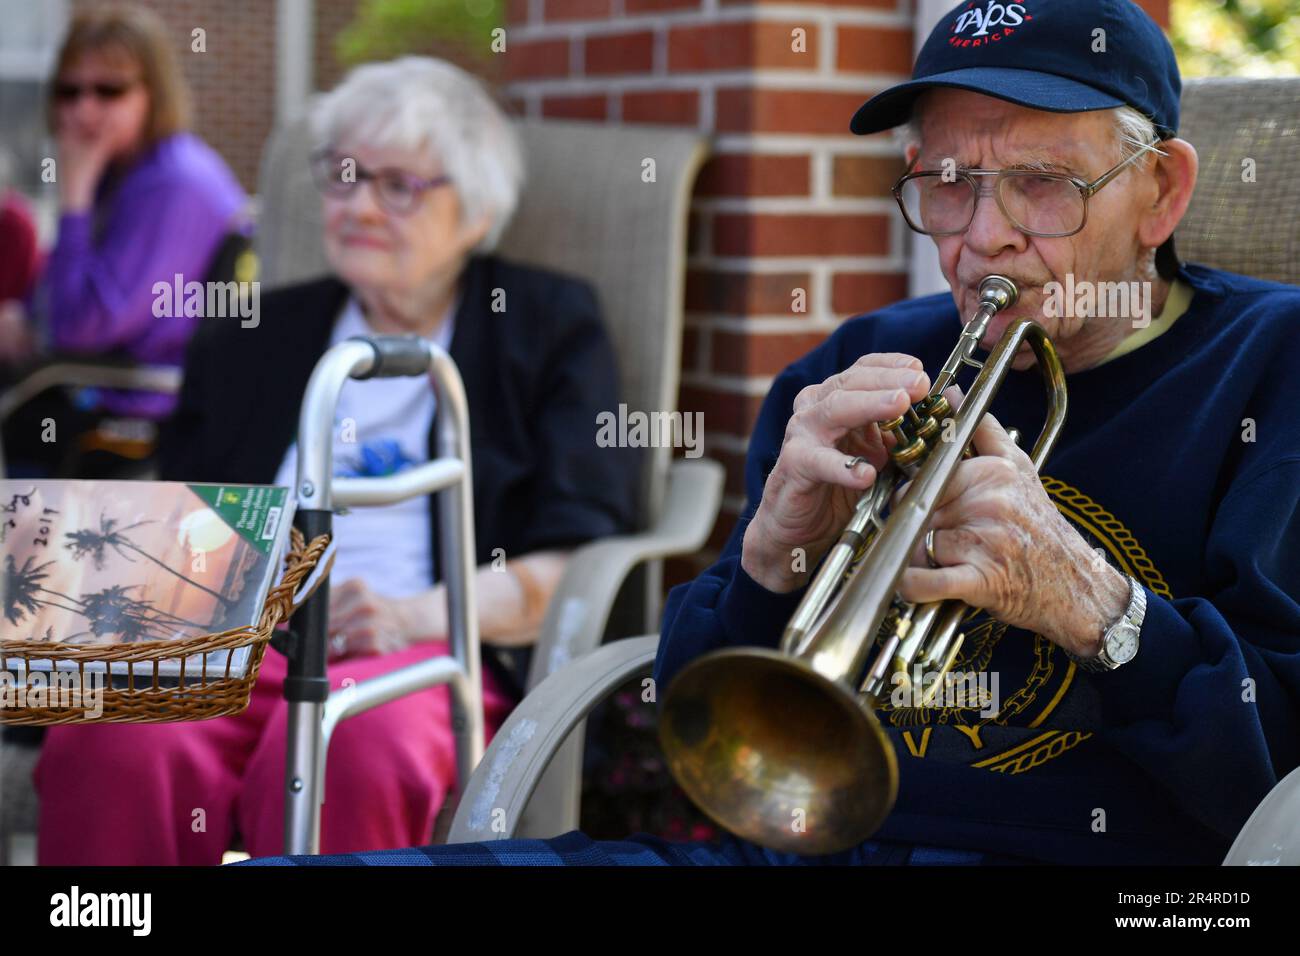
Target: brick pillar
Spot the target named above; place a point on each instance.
(793, 228)
(1158, 10)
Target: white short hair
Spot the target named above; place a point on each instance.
(1133, 130)
(429, 105)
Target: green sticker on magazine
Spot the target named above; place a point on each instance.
(253, 512)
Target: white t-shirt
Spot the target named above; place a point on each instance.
(381, 426)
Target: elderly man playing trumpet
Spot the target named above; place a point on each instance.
(1139, 599)
(1137, 604)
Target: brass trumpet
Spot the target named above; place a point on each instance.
(782, 747)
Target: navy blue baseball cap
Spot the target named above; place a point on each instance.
(1043, 54)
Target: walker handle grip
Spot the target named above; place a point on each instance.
(397, 356)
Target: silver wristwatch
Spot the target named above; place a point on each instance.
(1119, 644)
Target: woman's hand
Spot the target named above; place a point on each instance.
(363, 623)
(82, 161)
(510, 613)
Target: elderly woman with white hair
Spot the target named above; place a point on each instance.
(419, 173)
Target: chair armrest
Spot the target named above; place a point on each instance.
(1271, 837)
(109, 374)
(580, 607)
(499, 789)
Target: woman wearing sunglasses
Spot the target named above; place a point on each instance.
(419, 174)
(141, 200)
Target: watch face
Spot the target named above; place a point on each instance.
(1122, 643)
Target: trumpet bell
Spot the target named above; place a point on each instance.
(777, 753)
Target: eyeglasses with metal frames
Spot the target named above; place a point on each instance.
(1040, 203)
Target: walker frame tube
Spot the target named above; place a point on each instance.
(315, 711)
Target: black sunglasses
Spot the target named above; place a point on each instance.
(70, 92)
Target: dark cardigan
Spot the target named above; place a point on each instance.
(537, 373)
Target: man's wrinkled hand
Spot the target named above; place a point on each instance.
(1004, 547)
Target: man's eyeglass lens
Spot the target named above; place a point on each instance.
(1037, 204)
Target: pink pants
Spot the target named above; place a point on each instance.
(166, 794)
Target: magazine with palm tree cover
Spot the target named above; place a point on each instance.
(102, 562)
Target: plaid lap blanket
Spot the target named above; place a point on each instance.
(578, 849)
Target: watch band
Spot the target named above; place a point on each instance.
(1133, 616)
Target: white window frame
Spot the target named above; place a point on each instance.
(924, 276)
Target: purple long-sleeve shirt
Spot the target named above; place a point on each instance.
(167, 216)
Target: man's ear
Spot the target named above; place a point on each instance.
(909, 154)
(1175, 176)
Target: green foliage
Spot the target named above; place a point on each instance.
(1236, 37)
(383, 29)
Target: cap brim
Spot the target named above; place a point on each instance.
(1039, 91)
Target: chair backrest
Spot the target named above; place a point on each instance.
(586, 209)
(288, 237)
(1242, 215)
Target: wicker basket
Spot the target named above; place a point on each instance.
(198, 696)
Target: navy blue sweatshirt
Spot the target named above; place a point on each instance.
(1181, 460)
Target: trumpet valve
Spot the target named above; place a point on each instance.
(910, 455)
(936, 407)
(897, 427)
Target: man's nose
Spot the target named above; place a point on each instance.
(990, 230)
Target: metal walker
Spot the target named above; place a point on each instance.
(314, 710)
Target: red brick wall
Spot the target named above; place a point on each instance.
(1158, 10)
(790, 200)
(596, 59)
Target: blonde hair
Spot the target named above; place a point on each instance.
(141, 36)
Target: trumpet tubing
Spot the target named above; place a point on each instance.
(782, 747)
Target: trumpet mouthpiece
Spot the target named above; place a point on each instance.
(998, 291)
